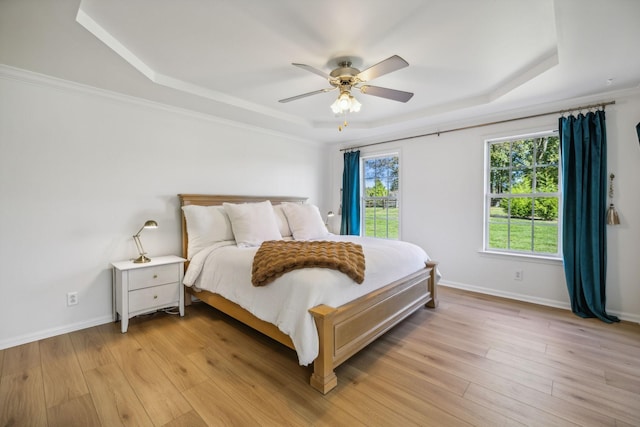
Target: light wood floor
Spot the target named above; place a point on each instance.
(475, 360)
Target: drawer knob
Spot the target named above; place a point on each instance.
(155, 276)
(155, 297)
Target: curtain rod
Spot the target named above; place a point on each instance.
(568, 110)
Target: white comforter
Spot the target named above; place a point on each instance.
(225, 269)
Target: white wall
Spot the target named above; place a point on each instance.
(442, 210)
(80, 172)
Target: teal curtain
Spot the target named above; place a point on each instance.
(351, 194)
(583, 142)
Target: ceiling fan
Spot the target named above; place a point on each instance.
(346, 77)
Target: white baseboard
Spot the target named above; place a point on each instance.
(48, 333)
(527, 298)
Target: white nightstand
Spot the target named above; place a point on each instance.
(147, 287)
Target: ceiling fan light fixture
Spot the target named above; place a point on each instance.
(335, 107)
(355, 104)
(345, 103)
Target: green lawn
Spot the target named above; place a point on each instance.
(375, 223)
(544, 239)
(545, 233)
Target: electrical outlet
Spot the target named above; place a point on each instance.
(518, 275)
(72, 298)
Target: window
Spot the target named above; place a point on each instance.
(380, 204)
(523, 195)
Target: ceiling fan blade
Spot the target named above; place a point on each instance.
(304, 95)
(383, 92)
(313, 70)
(390, 64)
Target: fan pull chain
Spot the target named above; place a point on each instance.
(344, 125)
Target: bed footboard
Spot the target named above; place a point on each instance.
(345, 330)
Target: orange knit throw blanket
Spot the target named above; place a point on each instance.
(277, 257)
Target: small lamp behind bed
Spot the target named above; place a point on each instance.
(142, 258)
(329, 216)
(333, 222)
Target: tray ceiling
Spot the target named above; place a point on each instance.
(468, 58)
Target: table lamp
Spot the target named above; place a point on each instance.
(142, 258)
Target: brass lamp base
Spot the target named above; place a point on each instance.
(141, 259)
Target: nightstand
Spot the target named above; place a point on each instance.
(146, 287)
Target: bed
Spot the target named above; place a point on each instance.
(340, 330)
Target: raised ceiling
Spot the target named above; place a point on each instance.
(469, 59)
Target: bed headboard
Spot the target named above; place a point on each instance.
(217, 199)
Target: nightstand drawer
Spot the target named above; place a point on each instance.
(153, 276)
(141, 288)
(156, 296)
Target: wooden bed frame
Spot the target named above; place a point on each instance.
(343, 330)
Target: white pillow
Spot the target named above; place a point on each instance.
(281, 219)
(206, 225)
(305, 221)
(253, 223)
